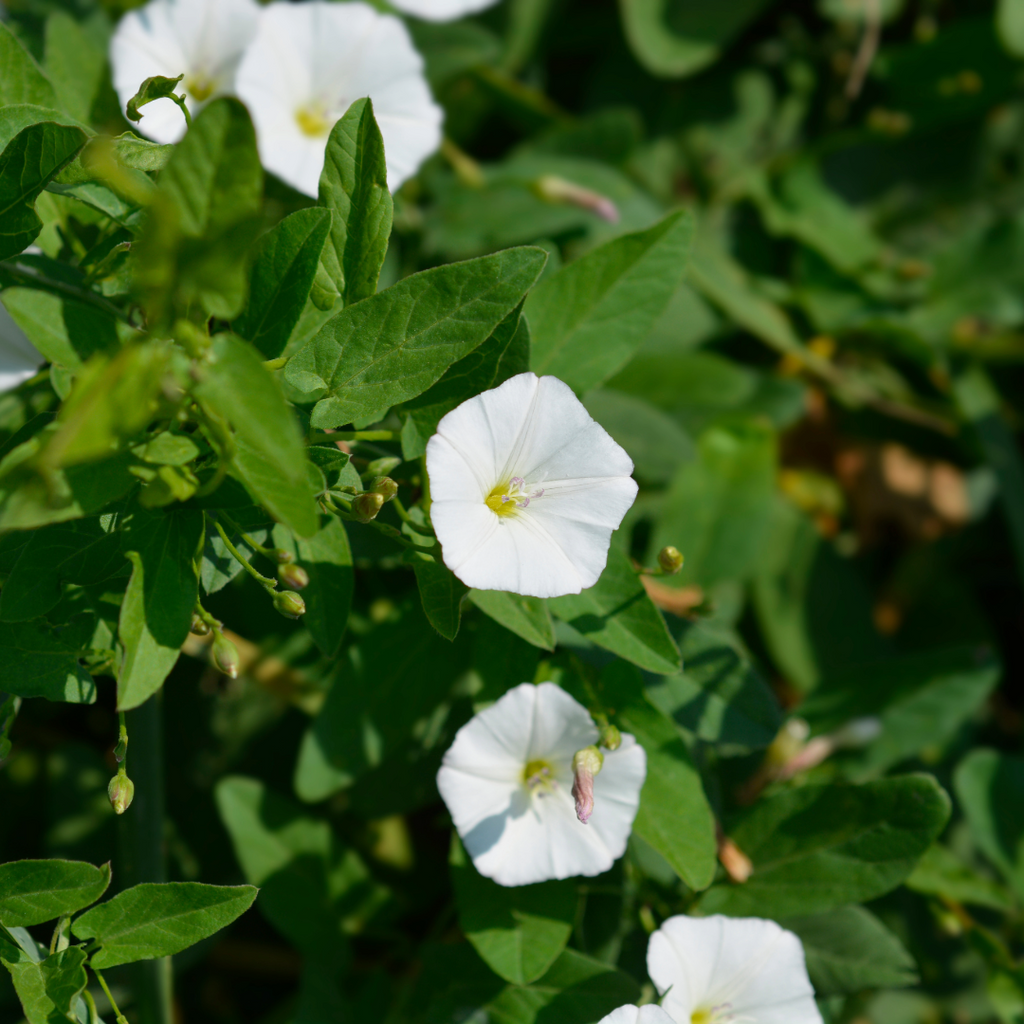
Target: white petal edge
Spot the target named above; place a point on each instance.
(650, 1014)
(441, 10)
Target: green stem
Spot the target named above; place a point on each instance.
(142, 847)
(364, 435)
(268, 552)
(121, 1019)
(180, 100)
(399, 508)
(265, 581)
(34, 279)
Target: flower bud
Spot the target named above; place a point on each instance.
(385, 487)
(293, 576)
(289, 604)
(121, 790)
(670, 560)
(366, 506)
(121, 750)
(283, 557)
(611, 738)
(225, 656)
(586, 763)
(381, 467)
(199, 626)
(554, 189)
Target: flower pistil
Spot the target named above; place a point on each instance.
(539, 775)
(506, 498)
(313, 121)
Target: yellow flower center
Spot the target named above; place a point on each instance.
(312, 120)
(508, 498)
(539, 775)
(701, 1017)
(200, 87)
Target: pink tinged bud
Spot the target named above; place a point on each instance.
(120, 790)
(557, 190)
(283, 557)
(385, 487)
(586, 763)
(367, 505)
(293, 576)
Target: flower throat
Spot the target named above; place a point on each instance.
(508, 498)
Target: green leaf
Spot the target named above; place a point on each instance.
(282, 273)
(49, 990)
(519, 931)
(21, 79)
(37, 891)
(504, 354)
(675, 38)
(83, 552)
(589, 319)
(161, 596)
(617, 614)
(157, 87)
(65, 331)
(990, 788)
(159, 919)
(203, 218)
(38, 663)
(527, 617)
(393, 345)
(655, 442)
(717, 511)
(75, 63)
(575, 990)
(307, 880)
(849, 950)
(922, 700)
(219, 566)
(441, 593)
(327, 558)
(940, 872)
(674, 815)
(354, 187)
(820, 847)
(719, 697)
(269, 459)
(28, 162)
(1010, 24)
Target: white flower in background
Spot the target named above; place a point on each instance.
(441, 10)
(19, 359)
(650, 1014)
(507, 781)
(202, 39)
(309, 62)
(716, 970)
(526, 489)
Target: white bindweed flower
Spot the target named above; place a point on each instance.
(19, 358)
(309, 62)
(717, 970)
(526, 489)
(202, 39)
(441, 10)
(507, 781)
(650, 1014)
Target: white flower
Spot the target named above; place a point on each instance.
(650, 1014)
(310, 62)
(507, 781)
(713, 970)
(19, 359)
(441, 10)
(526, 489)
(202, 39)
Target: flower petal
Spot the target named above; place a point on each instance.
(617, 794)
(650, 1014)
(323, 56)
(441, 10)
(753, 965)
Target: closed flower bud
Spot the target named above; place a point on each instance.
(293, 576)
(121, 790)
(670, 560)
(586, 763)
(289, 604)
(366, 506)
(611, 738)
(385, 487)
(283, 557)
(225, 656)
(199, 626)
